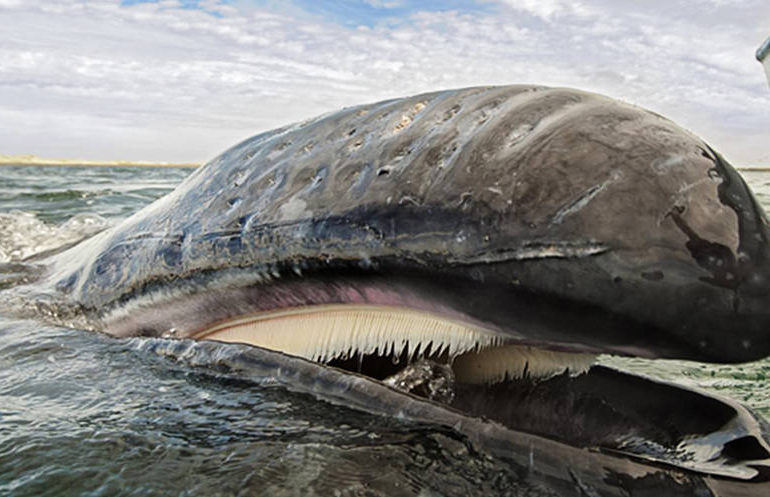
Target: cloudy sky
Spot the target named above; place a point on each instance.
(181, 80)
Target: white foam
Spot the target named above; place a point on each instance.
(23, 235)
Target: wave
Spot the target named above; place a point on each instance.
(24, 235)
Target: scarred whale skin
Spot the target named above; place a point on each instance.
(551, 216)
(554, 215)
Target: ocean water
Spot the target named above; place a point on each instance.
(86, 414)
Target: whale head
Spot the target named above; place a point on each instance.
(541, 217)
(512, 233)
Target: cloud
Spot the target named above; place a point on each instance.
(385, 4)
(547, 9)
(98, 79)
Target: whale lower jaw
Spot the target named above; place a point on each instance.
(342, 332)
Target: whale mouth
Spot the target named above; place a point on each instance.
(420, 342)
(551, 392)
(380, 340)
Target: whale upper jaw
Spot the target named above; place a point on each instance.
(554, 215)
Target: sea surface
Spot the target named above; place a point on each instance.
(86, 414)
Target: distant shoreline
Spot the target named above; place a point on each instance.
(32, 160)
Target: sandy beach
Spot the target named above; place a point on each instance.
(33, 160)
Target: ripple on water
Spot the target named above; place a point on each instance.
(85, 414)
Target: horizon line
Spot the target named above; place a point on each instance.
(34, 160)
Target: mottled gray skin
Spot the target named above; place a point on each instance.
(554, 215)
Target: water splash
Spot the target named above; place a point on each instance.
(23, 234)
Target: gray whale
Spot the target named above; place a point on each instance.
(554, 222)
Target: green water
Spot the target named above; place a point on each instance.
(55, 194)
